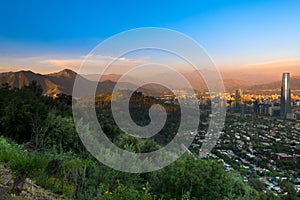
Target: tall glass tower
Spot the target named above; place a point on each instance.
(239, 97)
(285, 100)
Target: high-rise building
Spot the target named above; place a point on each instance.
(239, 103)
(239, 97)
(285, 99)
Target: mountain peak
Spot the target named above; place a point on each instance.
(66, 73)
(20, 72)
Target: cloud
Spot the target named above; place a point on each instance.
(92, 64)
(62, 63)
(105, 58)
(286, 61)
(46, 64)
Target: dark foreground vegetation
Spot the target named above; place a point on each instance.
(39, 142)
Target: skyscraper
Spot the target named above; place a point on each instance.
(239, 97)
(239, 103)
(285, 99)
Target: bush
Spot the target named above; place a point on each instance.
(21, 163)
(124, 192)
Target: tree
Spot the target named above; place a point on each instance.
(202, 179)
(61, 134)
(21, 110)
(289, 188)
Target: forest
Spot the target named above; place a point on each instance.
(39, 142)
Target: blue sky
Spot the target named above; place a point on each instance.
(234, 33)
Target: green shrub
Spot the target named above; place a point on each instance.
(124, 192)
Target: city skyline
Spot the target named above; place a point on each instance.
(150, 100)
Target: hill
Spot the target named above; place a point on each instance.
(54, 83)
(21, 78)
(63, 81)
(295, 85)
(194, 78)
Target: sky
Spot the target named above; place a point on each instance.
(46, 36)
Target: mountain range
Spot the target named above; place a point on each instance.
(62, 82)
(295, 84)
(194, 78)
